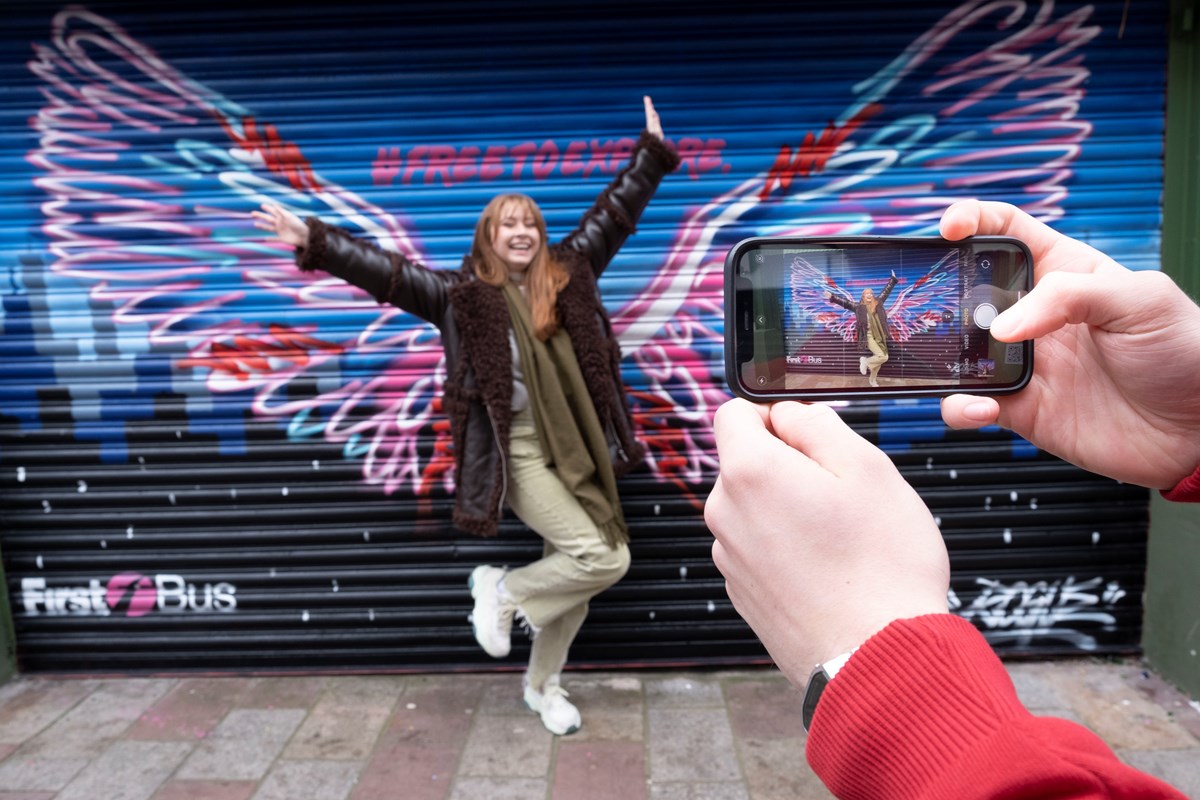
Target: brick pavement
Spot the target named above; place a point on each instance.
(703, 735)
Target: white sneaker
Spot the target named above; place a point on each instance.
(558, 714)
(492, 617)
(862, 364)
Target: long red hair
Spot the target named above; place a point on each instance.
(544, 278)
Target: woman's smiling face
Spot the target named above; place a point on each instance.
(515, 237)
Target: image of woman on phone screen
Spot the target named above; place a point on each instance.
(534, 396)
(871, 327)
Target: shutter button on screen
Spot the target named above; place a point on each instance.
(985, 313)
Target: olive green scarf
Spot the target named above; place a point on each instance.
(567, 425)
(875, 330)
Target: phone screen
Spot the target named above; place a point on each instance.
(868, 316)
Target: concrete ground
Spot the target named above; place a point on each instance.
(722, 735)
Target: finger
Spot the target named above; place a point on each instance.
(964, 411)
(737, 418)
(985, 218)
(1113, 301)
(718, 554)
(723, 517)
(653, 125)
(745, 441)
(819, 433)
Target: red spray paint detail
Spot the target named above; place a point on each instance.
(813, 152)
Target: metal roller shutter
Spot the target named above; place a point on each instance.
(209, 462)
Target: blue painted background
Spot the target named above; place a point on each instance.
(158, 354)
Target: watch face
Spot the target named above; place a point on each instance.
(816, 685)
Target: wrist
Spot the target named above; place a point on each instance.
(896, 699)
(664, 154)
(1187, 490)
(818, 680)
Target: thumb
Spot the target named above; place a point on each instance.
(1110, 301)
(818, 432)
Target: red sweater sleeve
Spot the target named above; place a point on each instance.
(1187, 490)
(926, 710)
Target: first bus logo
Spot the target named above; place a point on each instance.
(128, 594)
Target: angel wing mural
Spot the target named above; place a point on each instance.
(916, 306)
(983, 104)
(185, 417)
(148, 176)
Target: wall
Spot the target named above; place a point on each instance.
(210, 461)
(1172, 626)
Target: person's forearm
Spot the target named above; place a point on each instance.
(613, 217)
(360, 263)
(388, 277)
(925, 709)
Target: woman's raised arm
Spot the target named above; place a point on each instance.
(613, 217)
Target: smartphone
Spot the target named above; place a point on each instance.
(873, 316)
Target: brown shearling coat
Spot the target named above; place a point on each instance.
(472, 317)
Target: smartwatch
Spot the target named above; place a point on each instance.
(818, 679)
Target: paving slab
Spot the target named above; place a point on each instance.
(730, 734)
(1117, 712)
(205, 790)
(699, 791)
(613, 708)
(129, 770)
(283, 692)
(691, 745)
(1180, 768)
(1035, 691)
(29, 706)
(765, 709)
(471, 788)
(683, 691)
(775, 769)
(426, 772)
(507, 747)
(190, 710)
(89, 727)
(243, 747)
(33, 773)
(599, 771)
(311, 780)
(342, 729)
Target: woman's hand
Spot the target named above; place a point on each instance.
(289, 228)
(653, 123)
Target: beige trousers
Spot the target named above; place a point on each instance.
(576, 565)
(877, 358)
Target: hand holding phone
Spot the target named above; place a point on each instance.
(1117, 390)
(856, 317)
